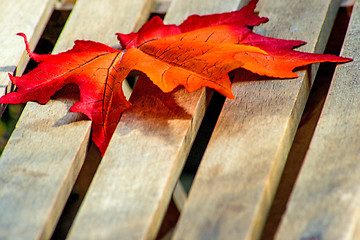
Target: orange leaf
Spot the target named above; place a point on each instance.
(200, 52)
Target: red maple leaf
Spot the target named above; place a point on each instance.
(200, 52)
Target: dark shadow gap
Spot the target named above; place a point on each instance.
(306, 127)
(202, 138)
(169, 222)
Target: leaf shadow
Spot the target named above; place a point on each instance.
(243, 75)
(158, 114)
(8, 68)
(151, 102)
(68, 95)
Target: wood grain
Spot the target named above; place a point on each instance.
(45, 152)
(141, 166)
(239, 173)
(325, 200)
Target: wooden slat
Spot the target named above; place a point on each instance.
(65, 4)
(45, 152)
(240, 170)
(133, 185)
(325, 203)
(29, 17)
(161, 6)
(347, 3)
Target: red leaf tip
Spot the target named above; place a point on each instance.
(22, 35)
(12, 78)
(27, 45)
(26, 42)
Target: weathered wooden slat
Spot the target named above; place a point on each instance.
(241, 167)
(45, 152)
(133, 185)
(29, 17)
(325, 201)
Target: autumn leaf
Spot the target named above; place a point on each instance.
(92, 67)
(198, 53)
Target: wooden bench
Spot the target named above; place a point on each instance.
(247, 162)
